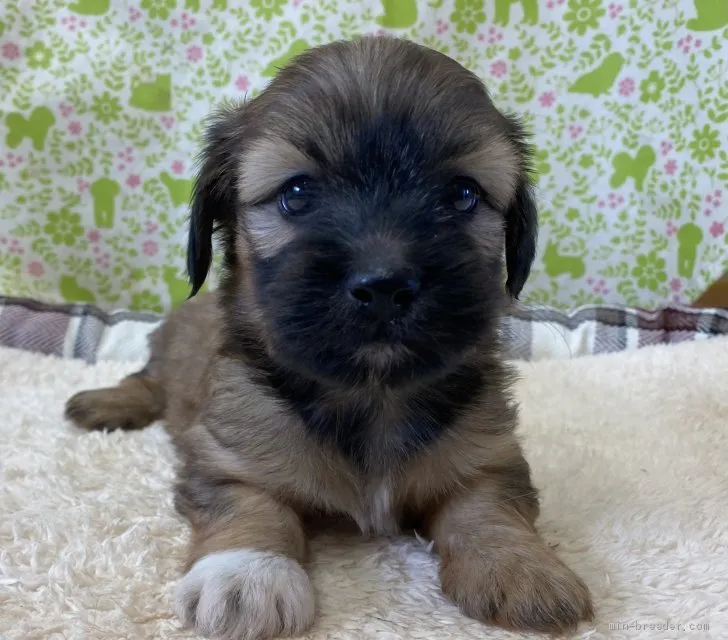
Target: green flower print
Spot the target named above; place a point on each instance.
(649, 271)
(586, 161)
(468, 15)
(64, 227)
(651, 89)
(159, 8)
(146, 301)
(39, 56)
(106, 107)
(704, 144)
(266, 9)
(583, 15)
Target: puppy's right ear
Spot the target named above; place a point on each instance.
(214, 197)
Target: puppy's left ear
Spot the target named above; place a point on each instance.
(214, 198)
(521, 217)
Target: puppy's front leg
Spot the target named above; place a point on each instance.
(244, 579)
(496, 567)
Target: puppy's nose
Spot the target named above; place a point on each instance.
(385, 295)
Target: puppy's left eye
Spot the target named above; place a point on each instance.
(296, 196)
(462, 195)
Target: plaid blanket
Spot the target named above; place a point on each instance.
(530, 333)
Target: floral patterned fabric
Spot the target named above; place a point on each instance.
(102, 105)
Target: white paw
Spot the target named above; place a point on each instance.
(245, 595)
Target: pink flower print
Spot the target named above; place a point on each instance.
(11, 51)
(133, 180)
(167, 121)
(295, 3)
(441, 27)
(600, 287)
(665, 147)
(713, 199)
(82, 185)
(615, 10)
(687, 43)
(126, 155)
(670, 167)
(547, 99)
(150, 226)
(104, 261)
(178, 167)
(717, 229)
(671, 229)
(615, 200)
(188, 21)
(74, 128)
(601, 204)
(35, 269)
(242, 83)
(575, 131)
(134, 14)
(552, 4)
(65, 109)
(71, 22)
(194, 53)
(96, 249)
(14, 161)
(676, 284)
(150, 248)
(15, 247)
(494, 35)
(126, 158)
(626, 87)
(94, 235)
(499, 69)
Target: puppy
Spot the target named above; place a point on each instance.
(349, 364)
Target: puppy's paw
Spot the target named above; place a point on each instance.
(109, 409)
(525, 589)
(245, 595)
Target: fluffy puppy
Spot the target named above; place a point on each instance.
(366, 202)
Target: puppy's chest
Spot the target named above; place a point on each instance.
(377, 436)
(377, 512)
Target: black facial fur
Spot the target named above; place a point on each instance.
(389, 191)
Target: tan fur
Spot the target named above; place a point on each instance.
(267, 164)
(252, 520)
(494, 166)
(134, 404)
(251, 473)
(267, 234)
(497, 568)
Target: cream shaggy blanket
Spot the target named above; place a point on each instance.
(630, 451)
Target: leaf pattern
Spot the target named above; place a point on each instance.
(102, 105)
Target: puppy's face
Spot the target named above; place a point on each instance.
(366, 201)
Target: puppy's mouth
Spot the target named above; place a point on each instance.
(389, 333)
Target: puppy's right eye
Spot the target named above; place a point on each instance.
(296, 196)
